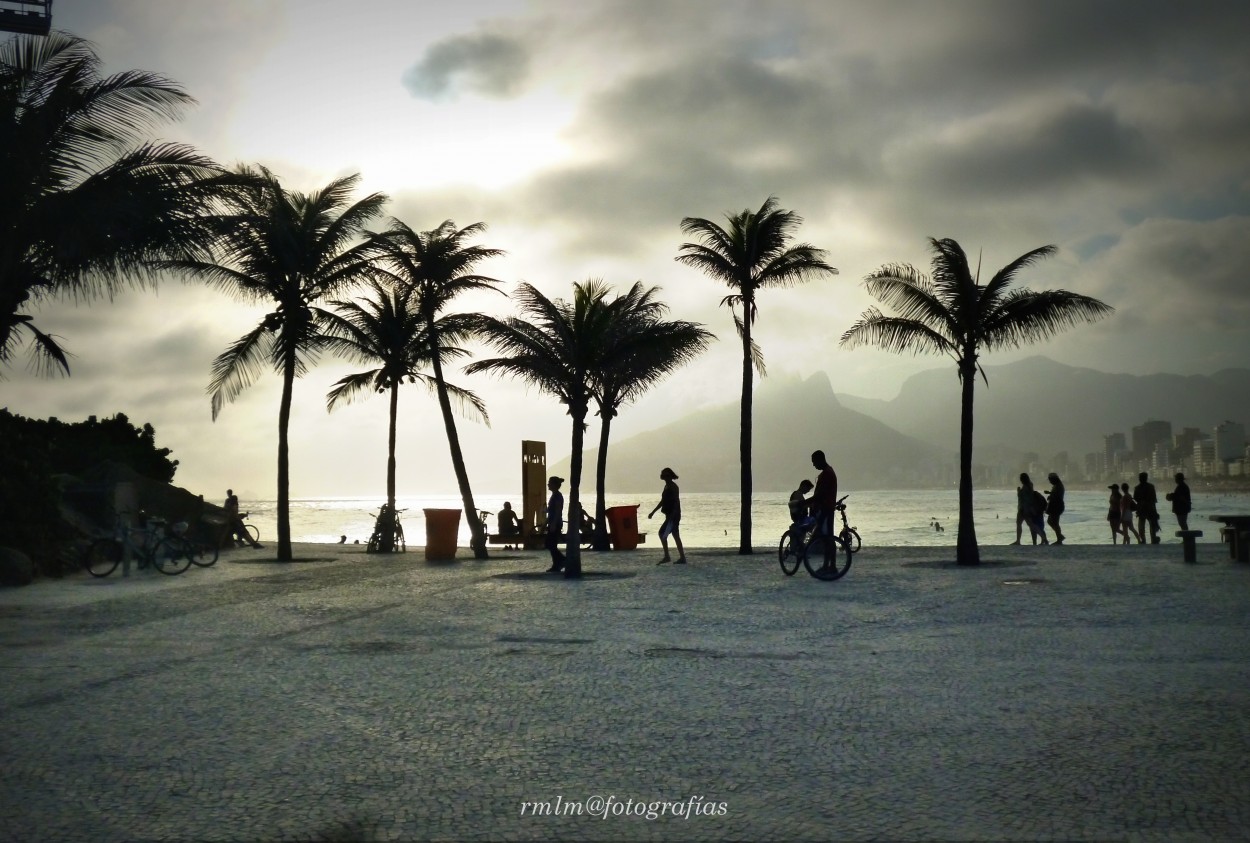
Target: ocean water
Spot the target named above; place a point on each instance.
(903, 518)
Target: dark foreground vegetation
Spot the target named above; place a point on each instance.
(50, 472)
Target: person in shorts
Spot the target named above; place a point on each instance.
(670, 505)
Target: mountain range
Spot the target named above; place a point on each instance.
(1033, 405)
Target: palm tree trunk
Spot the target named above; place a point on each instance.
(601, 479)
(386, 526)
(284, 462)
(966, 550)
(744, 446)
(390, 448)
(478, 542)
(573, 552)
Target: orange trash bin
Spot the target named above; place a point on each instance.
(623, 526)
(441, 528)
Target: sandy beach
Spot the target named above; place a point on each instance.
(1064, 693)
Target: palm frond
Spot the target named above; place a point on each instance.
(757, 354)
(896, 334)
(912, 294)
(1025, 316)
(238, 366)
(47, 358)
(347, 389)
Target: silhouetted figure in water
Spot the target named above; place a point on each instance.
(342, 539)
(670, 505)
(1147, 507)
(1182, 503)
(1054, 505)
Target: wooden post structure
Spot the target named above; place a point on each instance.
(533, 493)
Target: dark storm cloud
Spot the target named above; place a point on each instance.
(1045, 149)
(700, 139)
(493, 65)
(934, 112)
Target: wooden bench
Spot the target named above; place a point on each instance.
(1189, 544)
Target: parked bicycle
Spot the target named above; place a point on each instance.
(825, 557)
(169, 552)
(388, 533)
(249, 529)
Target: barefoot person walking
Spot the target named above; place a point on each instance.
(670, 505)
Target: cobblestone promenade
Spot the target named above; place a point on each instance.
(1069, 693)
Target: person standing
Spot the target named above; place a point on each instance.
(824, 500)
(1181, 501)
(1054, 505)
(670, 505)
(555, 524)
(1147, 507)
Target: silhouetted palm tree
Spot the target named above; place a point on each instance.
(953, 313)
(646, 349)
(86, 204)
(439, 265)
(752, 254)
(388, 329)
(559, 347)
(294, 250)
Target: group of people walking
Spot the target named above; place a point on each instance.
(1141, 505)
(1037, 510)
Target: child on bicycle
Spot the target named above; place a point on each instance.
(798, 512)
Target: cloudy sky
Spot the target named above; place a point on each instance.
(582, 133)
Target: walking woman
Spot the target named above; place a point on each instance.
(1054, 505)
(1128, 506)
(670, 505)
(1113, 514)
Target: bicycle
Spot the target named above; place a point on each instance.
(249, 529)
(787, 555)
(170, 553)
(387, 531)
(809, 539)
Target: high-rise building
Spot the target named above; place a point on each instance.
(1229, 441)
(1148, 435)
(1204, 456)
(1114, 449)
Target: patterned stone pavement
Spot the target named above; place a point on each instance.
(1075, 693)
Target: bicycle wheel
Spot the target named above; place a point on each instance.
(173, 555)
(828, 569)
(850, 538)
(203, 553)
(787, 555)
(252, 532)
(103, 557)
(400, 546)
